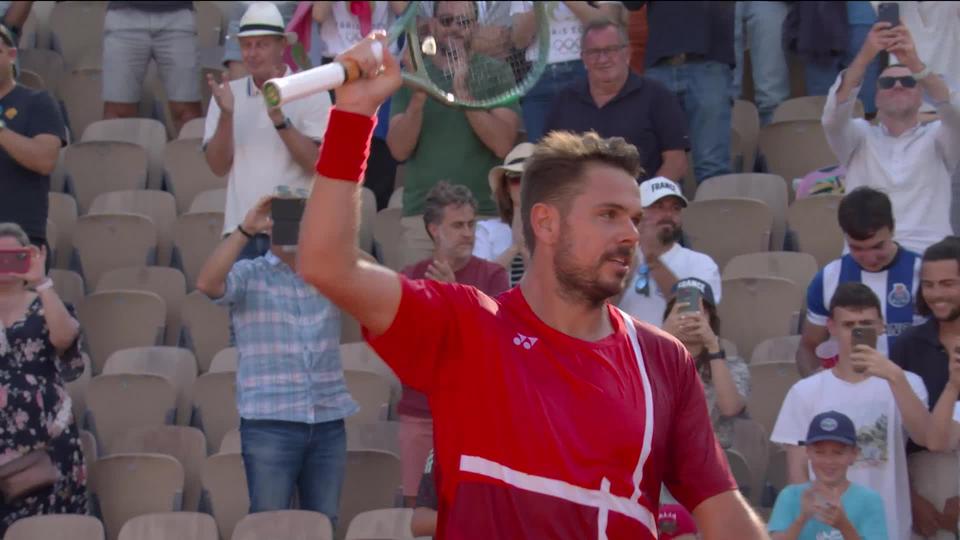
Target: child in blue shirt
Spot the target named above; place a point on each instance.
(830, 507)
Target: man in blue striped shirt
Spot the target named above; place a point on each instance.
(291, 393)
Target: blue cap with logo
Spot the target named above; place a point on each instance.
(706, 291)
(831, 426)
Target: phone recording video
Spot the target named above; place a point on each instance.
(863, 335)
(14, 261)
(286, 213)
(889, 12)
(688, 300)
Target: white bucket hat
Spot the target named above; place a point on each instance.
(264, 19)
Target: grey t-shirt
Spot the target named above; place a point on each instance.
(723, 425)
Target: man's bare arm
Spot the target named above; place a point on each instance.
(728, 515)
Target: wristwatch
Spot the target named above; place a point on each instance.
(719, 355)
(283, 125)
(922, 74)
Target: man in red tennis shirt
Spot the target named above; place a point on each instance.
(556, 416)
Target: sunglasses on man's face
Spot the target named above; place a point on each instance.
(886, 83)
(459, 20)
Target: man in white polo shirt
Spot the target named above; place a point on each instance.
(261, 148)
(661, 261)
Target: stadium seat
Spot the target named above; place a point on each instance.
(58, 177)
(724, 228)
(114, 320)
(745, 120)
(383, 523)
(99, 167)
(150, 134)
(776, 349)
(195, 236)
(793, 149)
(45, 63)
(30, 79)
(225, 494)
(350, 331)
(68, 284)
(396, 198)
(88, 445)
(814, 222)
(193, 129)
(176, 365)
(371, 481)
(128, 485)
(159, 206)
(210, 24)
(416, 244)
(797, 267)
(106, 241)
(381, 435)
(62, 210)
(231, 442)
(211, 200)
(169, 525)
(82, 95)
(117, 403)
(77, 390)
(187, 172)
(215, 406)
(224, 361)
(752, 442)
(288, 524)
(388, 234)
(777, 467)
(186, 444)
(167, 283)
(755, 309)
(769, 384)
(77, 32)
(807, 108)
(768, 188)
(205, 328)
(741, 472)
(56, 527)
(372, 392)
(358, 356)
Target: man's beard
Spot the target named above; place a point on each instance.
(583, 284)
(952, 316)
(669, 236)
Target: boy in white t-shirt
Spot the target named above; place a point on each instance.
(875, 393)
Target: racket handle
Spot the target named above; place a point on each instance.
(281, 90)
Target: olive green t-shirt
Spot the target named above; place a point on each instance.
(448, 149)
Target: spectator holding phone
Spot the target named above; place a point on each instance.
(913, 162)
(726, 380)
(40, 351)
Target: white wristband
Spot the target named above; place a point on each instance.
(47, 283)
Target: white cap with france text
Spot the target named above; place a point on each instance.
(654, 189)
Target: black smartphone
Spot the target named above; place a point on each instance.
(864, 335)
(286, 213)
(889, 12)
(688, 300)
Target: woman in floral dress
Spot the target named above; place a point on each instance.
(39, 351)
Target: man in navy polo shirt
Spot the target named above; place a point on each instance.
(617, 103)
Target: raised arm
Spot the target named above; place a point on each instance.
(943, 433)
(881, 36)
(913, 407)
(61, 325)
(728, 515)
(212, 280)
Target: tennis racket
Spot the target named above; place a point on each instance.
(460, 53)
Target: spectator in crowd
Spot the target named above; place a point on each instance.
(258, 148)
(563, 59)
(438, 142)
(615, 102)
(925, 350)
(829, 506)
(911, 161)
(291, 393)
(758, 26)
(880, 398)
(135, 33)
(661, 261)
(501, 239)
(31, 134)
(450, 217)
(877, 261)
(726, 380)
(690, 51)
(424, 520)
(40, 351)
(14, 15)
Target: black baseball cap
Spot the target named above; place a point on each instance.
(831, 426)
(706, 291)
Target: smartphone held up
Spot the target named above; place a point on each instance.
(863, 335)
(14, 261)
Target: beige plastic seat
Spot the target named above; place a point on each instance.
(793, 149)
(724, 228)
(125, 486)
(210, 24)
(167, 283)
(752, 442)
(741, 472)
(388, 233)
(170, 525)
(211, 200)
(755, 309)
(30, 79)
(372, 392)
(82, 95)
(186, 444)
(114, 320)
(768, 188)
(68, 284)
(383, 523)
(795, 266)
(380, 435)
(193, 129)
(359, 356)
(807, 108)
(371, 481)
(396, 198)
(177, 365)
(205, 328)
(99, 167)
(77, 390)
(231, 442)
(286, 524)
(745, 120)
(159, 206)
(88, 444)
(225, 494)
(187, 171)
(56, 527)
(224, 361)
(776, 349)
(215, 406)
(117, 403)
(814, 221)
(77, 32)
(45, 63)
(195, 236)
(150, 134)
(769, 384)
(62, 210)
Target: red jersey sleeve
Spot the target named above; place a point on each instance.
(697, 468)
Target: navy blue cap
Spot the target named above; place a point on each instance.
(832, 426)
(706, 291)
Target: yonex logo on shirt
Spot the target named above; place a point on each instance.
(526, 342)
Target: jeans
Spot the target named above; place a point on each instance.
(536, 103)
(704, 92)
(764, 29)
(820, 77)
(279, 456)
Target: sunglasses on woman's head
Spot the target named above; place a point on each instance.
(886, 83)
